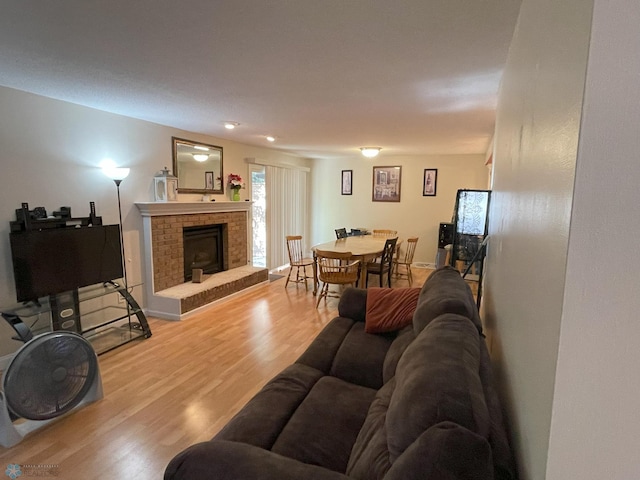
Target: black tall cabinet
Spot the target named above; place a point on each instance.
(471, 222)
(470, 229)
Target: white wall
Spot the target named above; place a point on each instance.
(562, 297)
(535, 153)
(50, 155)
(596, 418)
(413, 215)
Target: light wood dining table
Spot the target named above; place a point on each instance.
(362, 247)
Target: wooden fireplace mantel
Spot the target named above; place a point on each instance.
(153, 209)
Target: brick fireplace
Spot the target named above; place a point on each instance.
(168, 296)
(168, 244)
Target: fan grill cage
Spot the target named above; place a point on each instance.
(50, 375)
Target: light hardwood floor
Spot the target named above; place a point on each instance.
(181, 385)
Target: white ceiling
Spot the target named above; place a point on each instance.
(323, 76)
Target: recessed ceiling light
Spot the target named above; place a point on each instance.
(270, 138)
(230, 125)
(370, 152)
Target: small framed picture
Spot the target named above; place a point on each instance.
(430, 182)
(347, 177)
(386, 184)
(208, 180)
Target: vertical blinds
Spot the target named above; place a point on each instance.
(286, 199)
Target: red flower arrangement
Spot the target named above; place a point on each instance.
(235, 181)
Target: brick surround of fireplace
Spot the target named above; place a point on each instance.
(168, 248)
(167, 295)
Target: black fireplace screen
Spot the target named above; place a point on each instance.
(203, 249)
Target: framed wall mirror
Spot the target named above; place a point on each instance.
(198, 166)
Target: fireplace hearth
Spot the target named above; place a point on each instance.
(169, 296)
(203, 249)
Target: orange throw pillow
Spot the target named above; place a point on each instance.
(390, 309)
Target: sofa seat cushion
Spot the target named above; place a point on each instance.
(262, 419)
(437, 379)
(225, 460)
(324, 427)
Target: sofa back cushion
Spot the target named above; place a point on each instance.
(437, 379)
(445, 291)
(503, 460)
(360, 357)
(445, 451)
(369, 459)
(397, 348)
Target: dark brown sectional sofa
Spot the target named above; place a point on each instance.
(416, 403)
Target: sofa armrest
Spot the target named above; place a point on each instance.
(444, 451)
(353, 304)
(222, 459)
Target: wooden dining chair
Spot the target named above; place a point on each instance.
(385, 265)
(336, 268)
(297, 260)
(341, 233)
(384, 233)
(406, 261)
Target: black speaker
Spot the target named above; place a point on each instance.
(65, 311)
(445, 235)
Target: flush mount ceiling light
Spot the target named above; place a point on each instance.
(200, 157)
(230, 125)
(270, 138)
(370, 152)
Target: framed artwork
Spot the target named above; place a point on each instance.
(208, 180)
(430, 182)
(386, 184)
(347, 176)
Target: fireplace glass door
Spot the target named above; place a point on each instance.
(203, 249)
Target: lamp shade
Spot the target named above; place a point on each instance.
(116, 173)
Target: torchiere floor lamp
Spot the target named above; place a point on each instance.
(117, 175)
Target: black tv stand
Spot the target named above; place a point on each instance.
(103, 313)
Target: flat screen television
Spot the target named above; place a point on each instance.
(51, 261)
